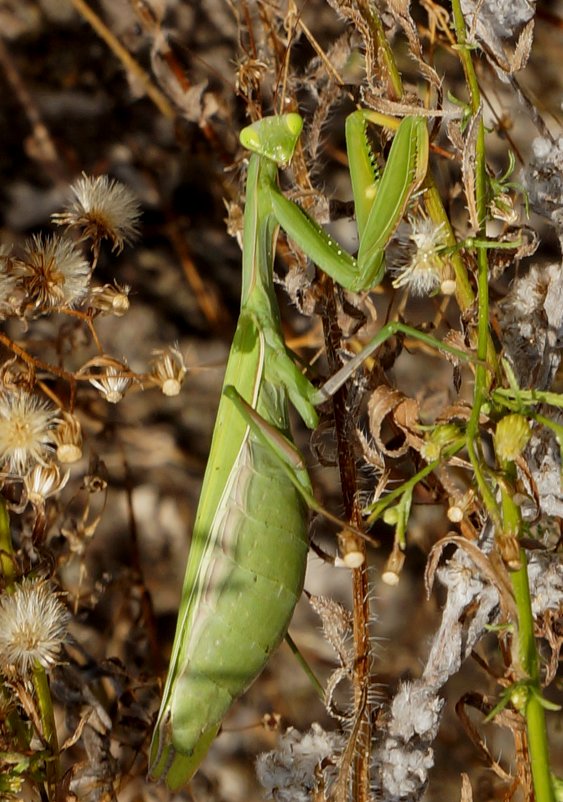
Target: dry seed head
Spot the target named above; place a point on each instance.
(448, 286)
(103, 209)
(112, 384)
(44, 481)
(511, 436)
(502, 208)
(33, 625)
(168, 369)
(455, 514)
(26, 436)
(427, 269)
(67, 438)
(54, 272)
(459, 507)
(112, 298)
(8, 283)
(392, 571)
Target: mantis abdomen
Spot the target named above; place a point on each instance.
(245, 572)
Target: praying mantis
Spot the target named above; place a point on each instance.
(248, 552)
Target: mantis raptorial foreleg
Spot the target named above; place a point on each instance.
(379, 204)
(249, 544)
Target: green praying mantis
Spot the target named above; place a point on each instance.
(248, 552)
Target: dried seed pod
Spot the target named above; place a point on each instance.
(68, 439)
(168, 370)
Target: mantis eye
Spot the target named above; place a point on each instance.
(273, 137)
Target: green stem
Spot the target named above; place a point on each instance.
(7, 564)
(538, 746)
(526, 659)
(511, 523)
(465, 56)
(505, 396)
(46, 712)
(377, 509)
(482, 374)
(435, 208)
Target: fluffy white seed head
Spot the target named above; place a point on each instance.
(54, 272)
(33, 626)
(103, 209)
(426, 270)
(26, 425)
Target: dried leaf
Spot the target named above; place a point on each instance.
(337, 627)
(477, 701)
(466, 790)
(400, 9)
(455, 135)
(468, 168)
(490, 566)
(521, 54)
(385, 401)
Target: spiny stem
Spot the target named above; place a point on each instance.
(360, 579)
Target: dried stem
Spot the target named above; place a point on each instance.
(360, 585)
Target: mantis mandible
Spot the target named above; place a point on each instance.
(249, 544)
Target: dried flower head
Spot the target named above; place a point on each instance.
(112, 384)
(67, 438)
(44, 481)
(427, 268)
(502, 208)
(26, 425)
(112, 298)
(8, 283)
(54, 272)
(168, 370)
(104, 209)
(33, 625)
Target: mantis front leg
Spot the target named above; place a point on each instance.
(379, 203)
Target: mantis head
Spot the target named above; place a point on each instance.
(273, 137)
